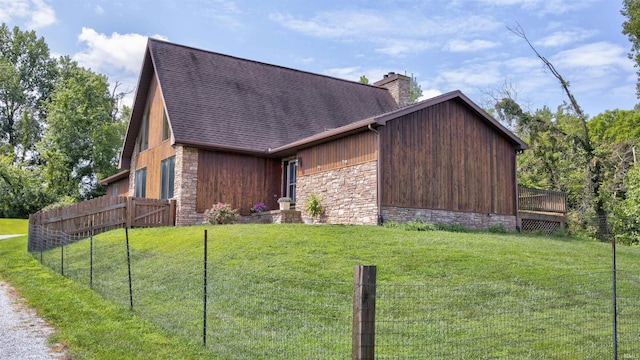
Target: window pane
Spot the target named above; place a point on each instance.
(165, 126)
(166, 177)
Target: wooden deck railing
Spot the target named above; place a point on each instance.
(541, 200)
(102, 214)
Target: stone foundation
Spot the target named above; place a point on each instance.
(469, 220)
(184, 186)
(348, 194)
(273, 217)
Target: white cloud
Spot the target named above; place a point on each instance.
(37, 13)
(381, 28)
(112, 52)
(599, 54)
(469, 46)
(561, 38)
(542, 7)
(226, 11)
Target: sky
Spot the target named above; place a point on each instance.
(446, 44)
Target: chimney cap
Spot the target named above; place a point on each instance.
(391, 73)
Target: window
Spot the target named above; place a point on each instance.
(114, 189)
(167, 168)
(290, 178)
(143, 136)
(141, 183)
(166, 132)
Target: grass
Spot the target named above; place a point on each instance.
(13, 226)
(284, 291)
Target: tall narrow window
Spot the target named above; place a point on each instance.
(141, 183)
(290, 178)
(167, 170)
(114, 190)
(166, 132)
(143, 135)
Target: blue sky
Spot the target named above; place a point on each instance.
(448, 45)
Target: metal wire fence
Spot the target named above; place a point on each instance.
(249, 316)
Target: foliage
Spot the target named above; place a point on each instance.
(364, 80)
(62, 202)
(631, 28)
(313, 205)
(81, 141)
(221, 214)
(22, 191)
(259, 207)
(284, 199)
(415, 90)
(625, 221)
(27, 74)
(497, 229)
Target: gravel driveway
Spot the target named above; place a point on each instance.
(23, 336)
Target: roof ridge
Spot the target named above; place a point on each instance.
(150, 39)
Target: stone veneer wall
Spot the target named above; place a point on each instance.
(348, 194)
(132, 172)
(185, 185)
(467, 219)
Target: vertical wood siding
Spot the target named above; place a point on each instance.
(240, 180)
(158, 150)
(446, 157)
(351, 150)
(123, 187)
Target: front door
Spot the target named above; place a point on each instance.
(290, 180)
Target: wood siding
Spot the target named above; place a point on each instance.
(446, 157)
(240, 180)
(336, 154)
(158, 149)
(122, 186)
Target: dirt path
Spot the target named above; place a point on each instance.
(23, 336)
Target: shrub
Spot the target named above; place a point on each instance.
(313, 205)
(259, 207)
(220, 214)
(418, 225)
(497, 229)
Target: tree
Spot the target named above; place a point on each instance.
(625, 221)
(631, 28)
(581, 140)
(22, 191)
(364, 80)
(415, 90)
(82, 137)
(26, 80)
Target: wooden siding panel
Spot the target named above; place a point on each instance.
(445, 157)
(240, 180)
(158, 150)
(351, 150)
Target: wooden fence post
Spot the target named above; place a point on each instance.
(364, 313)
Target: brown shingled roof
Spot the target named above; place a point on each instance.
(220, 101)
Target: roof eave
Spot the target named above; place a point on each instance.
(115, 177)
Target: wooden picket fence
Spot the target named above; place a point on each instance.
(100, 214)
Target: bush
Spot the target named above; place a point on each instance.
(313, 206)
(221, 214)
(497, 229)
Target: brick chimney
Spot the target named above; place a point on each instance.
(398, 86)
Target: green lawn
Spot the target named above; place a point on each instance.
(13, 226)
(284, 291)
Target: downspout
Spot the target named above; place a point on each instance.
(378, 177)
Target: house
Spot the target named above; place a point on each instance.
(207, 127)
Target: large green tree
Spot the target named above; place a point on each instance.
(83, 132)
(27, 74)
(631, 28)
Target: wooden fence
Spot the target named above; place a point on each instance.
(103, 214)
(541, 200)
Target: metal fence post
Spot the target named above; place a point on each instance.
(614, 300)
(91, 254)
(62, 259)
(204, 299)
(126, 232)
(364, 313)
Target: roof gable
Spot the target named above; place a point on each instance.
(220, 101)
